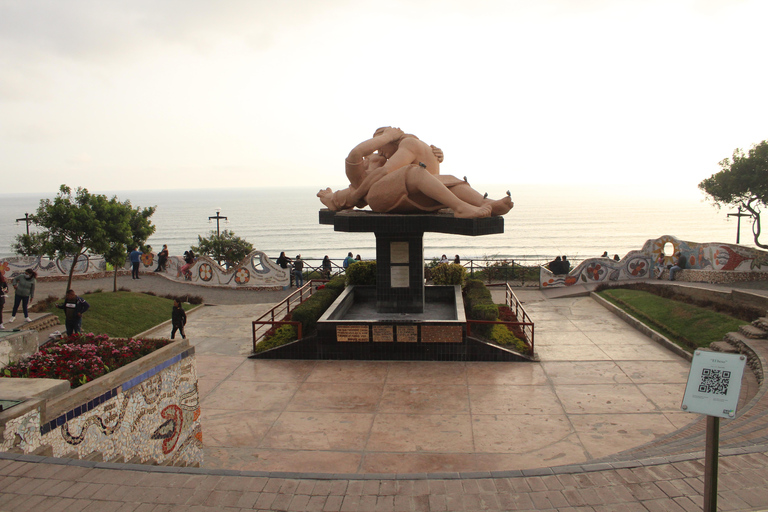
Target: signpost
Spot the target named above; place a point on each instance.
(713, 388)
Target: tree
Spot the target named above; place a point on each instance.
(742, 181)
(130, 228)
(74, 225)
(223, 247)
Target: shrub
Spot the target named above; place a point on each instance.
(448, 274)
(338, 284)
(42, 306)
(362, 273)
(309, 311)
(501, 335)
(479, 305)
(284, 334)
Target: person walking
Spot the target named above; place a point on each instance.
(298, 271)
(3, 293)
(135, 258)
(24, 287)
(162, 259)
(178, 319)
(73, 307)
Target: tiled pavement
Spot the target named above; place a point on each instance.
(671, 480)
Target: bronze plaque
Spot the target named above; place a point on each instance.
(352, 333)
(407, 334)
(441, 334)
(383, 333)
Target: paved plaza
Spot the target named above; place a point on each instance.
(357, 435)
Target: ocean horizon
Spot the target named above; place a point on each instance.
(578, 221)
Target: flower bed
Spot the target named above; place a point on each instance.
(81, 358)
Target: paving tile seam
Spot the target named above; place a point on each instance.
(588, 467)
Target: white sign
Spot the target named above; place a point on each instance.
(714, 384)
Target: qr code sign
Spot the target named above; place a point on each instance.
(714, 381)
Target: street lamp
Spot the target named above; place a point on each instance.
(27, 220)
(738, 222)
(218, 217)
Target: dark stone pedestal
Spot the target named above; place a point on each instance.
(400, 249)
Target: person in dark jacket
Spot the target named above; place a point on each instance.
(3, 293)
(178, 319)
(556, 266)
(73, 307)
(677, 267)
(162, 259)
(298, 271)
(565, 265)
(327, 267)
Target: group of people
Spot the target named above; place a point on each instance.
(673, 269)
(24, 292)
(615, 256)
(295, 267)
(445, 259)
(560, 265)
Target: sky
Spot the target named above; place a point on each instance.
(147, 94)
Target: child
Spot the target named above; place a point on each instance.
(178, 319)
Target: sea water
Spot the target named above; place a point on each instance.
(580, 222)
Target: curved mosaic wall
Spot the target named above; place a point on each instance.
(706, 263)
(255, 271)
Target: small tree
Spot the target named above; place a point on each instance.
(131, 229)
(225, 247)
(742, 181)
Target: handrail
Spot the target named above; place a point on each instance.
(275, 315)
(513, 303)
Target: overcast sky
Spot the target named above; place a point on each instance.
(123, 95)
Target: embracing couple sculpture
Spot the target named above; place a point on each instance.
(395, 172)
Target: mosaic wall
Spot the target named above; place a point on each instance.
(707, 262)
(153, 418)
(256, 271)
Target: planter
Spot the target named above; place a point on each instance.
(145, 412)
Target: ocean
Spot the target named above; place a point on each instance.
(580, 222)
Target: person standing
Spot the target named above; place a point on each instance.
(178, 319)
(162, 259)
(135, 260)
(73, 307)
(285, 263)
(3, 293)
(298, 271)
(24, 286)
(457, 260)
(444, 259)
(348, 261)
(326, 267)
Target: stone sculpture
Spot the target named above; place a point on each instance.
(395, 172)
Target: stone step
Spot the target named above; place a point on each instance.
(753, 332)
(723, 346)
(737, 339)
(761, 323)
(41, 323)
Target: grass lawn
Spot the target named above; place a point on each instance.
(122, 314)
(687, 325)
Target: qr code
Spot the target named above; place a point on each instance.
(714, 381)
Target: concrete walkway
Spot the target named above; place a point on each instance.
(342, 435)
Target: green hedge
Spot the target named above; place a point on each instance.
(362, 273)
(448, 274)
(503, 336)
(479, 305)
(283, 335)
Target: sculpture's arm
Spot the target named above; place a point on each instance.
(369, 146)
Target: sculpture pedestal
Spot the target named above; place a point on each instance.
(400, 249)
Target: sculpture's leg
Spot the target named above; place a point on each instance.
(473, 197)
(420, 180)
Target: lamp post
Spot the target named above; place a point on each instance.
(738, 216)
(218, 217)
(27, 220)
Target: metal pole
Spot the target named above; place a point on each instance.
(738, 216)
(27, 220)
(710, 464)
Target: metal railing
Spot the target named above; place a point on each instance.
(524, 321)
(274, 317)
